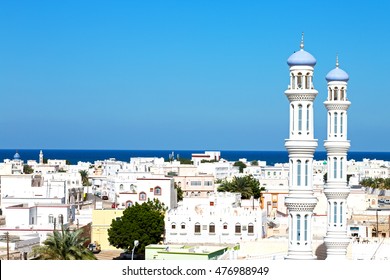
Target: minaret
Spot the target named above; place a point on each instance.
(301, 145)
(41, 157)
(336, 188)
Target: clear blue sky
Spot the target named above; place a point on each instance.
(184, 74)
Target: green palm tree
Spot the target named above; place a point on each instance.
(64, 245)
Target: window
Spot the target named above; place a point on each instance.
(250, 228)
(341, 167)
(341, 122)
(238, 228)
(196, 183)
(121, 187)
(142, 196)
(208, 183)
(225, 226)
(212, 228)
(335, 212)
(306, 173)
(334, 167)
(341, 212)
(51, 219)
(157, 191)
(335, 123)
(197, 228)
(129, 203)
(173, 226)
(306, 225)
(183, 226)
(308, 118)
(299, 173)
(298, 227)
(299, 117)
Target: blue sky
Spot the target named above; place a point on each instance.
(184, 74)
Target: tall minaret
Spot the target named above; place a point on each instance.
(337, 145)
(41, 157)
(301, 145)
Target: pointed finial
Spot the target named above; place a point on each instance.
(302, 44)
(337, 60)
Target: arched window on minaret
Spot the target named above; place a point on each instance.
(299, 80)
(306, 225)
(341, 214)
(306, 173)
(292, 81)
(335, 124)
(329, 126)
(299, 168)
(329, 214)
(299, 118)
(341, 123)
(291, 231)
(292, 118)
(308, 119)
(292, 171)
(336, 93)
(335, 213)
(334, 167)
(329, 94)
(307, 81)
(342, 95)
(341, 168)
(298, 227)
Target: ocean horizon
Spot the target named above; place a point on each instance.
(83, 155)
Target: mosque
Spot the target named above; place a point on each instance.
(301, 145)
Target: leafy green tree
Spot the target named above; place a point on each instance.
(64, 245)
(246, 185)
(179, 192)
(240, 165)
(27, 169)
(143, 222)
(254, 163)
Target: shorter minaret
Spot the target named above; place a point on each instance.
(41, 157)
(336, 188)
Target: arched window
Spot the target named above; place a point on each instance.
(329, 94)
(341, 122)
(336, 93)
(298, 227)
(197, 228)
(299, 80)
(237, 229)
(306, 173)
(183, 226)
(335, 212)
(225, 226)
(251, 229)
(306, 225)
(299, 118)
(292, 117)
(212, 228)
(129, 203)
(157, 191)
(341, 213)
(341, 168)
(342, 94)
(121, 187)
(142, 196)
(334, 167)
(307, 80)
(308, 119)
(299, 167)
(173, 226)
(335, 123)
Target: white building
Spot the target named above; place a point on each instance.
(216, 219)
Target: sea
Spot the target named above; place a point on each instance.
(74, 156)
